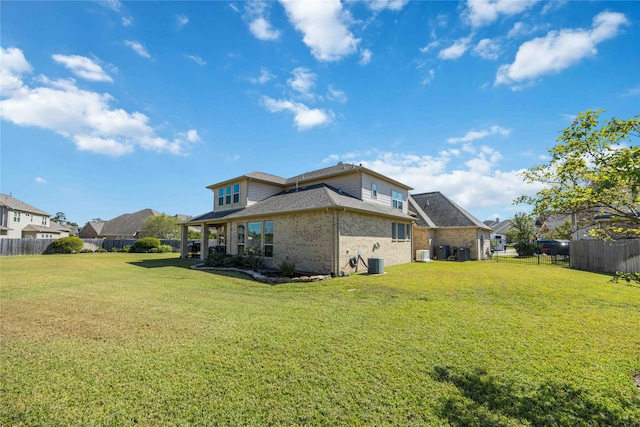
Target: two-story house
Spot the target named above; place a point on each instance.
(19, 220)
(327, 221)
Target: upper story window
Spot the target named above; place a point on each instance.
(236, 193)
(16, 216)
(396, 200)
(229, 194)
(374, 190)
(44, 220)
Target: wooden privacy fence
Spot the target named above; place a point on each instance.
(606, 257)
(12, 247)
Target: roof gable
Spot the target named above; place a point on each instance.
(443, 212)
(18, 205)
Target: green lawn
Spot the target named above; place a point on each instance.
(120, 339)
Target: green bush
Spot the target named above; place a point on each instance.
(101, 250)
(165, 248)
(221, 259)
(86, 251)
(146, 244)
(287, 268)
(525, 248)
(67, 245)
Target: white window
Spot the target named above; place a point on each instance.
(241, 234)
(16, 216)
(220, 196)
(396, 200)
(44, 220)
(260, 238)
(236, 193)
(400, 232)
(374, 190)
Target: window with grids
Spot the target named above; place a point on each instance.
(396, 200)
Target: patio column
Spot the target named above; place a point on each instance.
(204, 241)
(184, 239)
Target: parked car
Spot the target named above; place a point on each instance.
(553, 247)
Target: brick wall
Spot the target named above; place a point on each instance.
(308, 239)
(361, 234)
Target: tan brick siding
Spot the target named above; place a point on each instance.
(461, 237)
(361, 233)
(309, 240)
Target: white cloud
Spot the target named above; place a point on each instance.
(479, 183)
(479, 134)
(85, 117)
(83, 67)
(634, 91)
(196, 59)
(14, 64)
(325, 28)
(379, 5)
(487, 49)
(304, 117)
(484, 12)
(522, 29)
(558, 50)
(263, 78)
(456, 50)
(303, 82)
(137, 48)
(127, 21)
(365, 57)
(337, 95)
(432, 45)
(114, 5)
(260, 27)
(40, 180)
(429, 77)
(181, 21)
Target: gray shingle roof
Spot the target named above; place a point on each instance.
(210, 215)
(126, 224)
(443, 212)
(338, 169)
(54, 228)
(314, 197)
(18, 205)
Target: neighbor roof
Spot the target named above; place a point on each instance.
(126, 224)
(443, 212)
(18, 205)
(314, 197)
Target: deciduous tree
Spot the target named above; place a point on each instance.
(160, 226)
(593, 175)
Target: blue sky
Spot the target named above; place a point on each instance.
(113, 107)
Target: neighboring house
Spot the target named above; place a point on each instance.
(440, 222)
(19, 220)
(498, 227)
(126, 226)
(328, 221)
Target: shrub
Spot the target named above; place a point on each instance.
(86, 251)
(101, 250)
(146, 244)
(67, 245)
(525, 248)
(165, 248)
(287, 268)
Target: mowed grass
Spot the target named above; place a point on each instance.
(123, 339)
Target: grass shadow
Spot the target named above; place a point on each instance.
(165, 262)
(484, 400)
